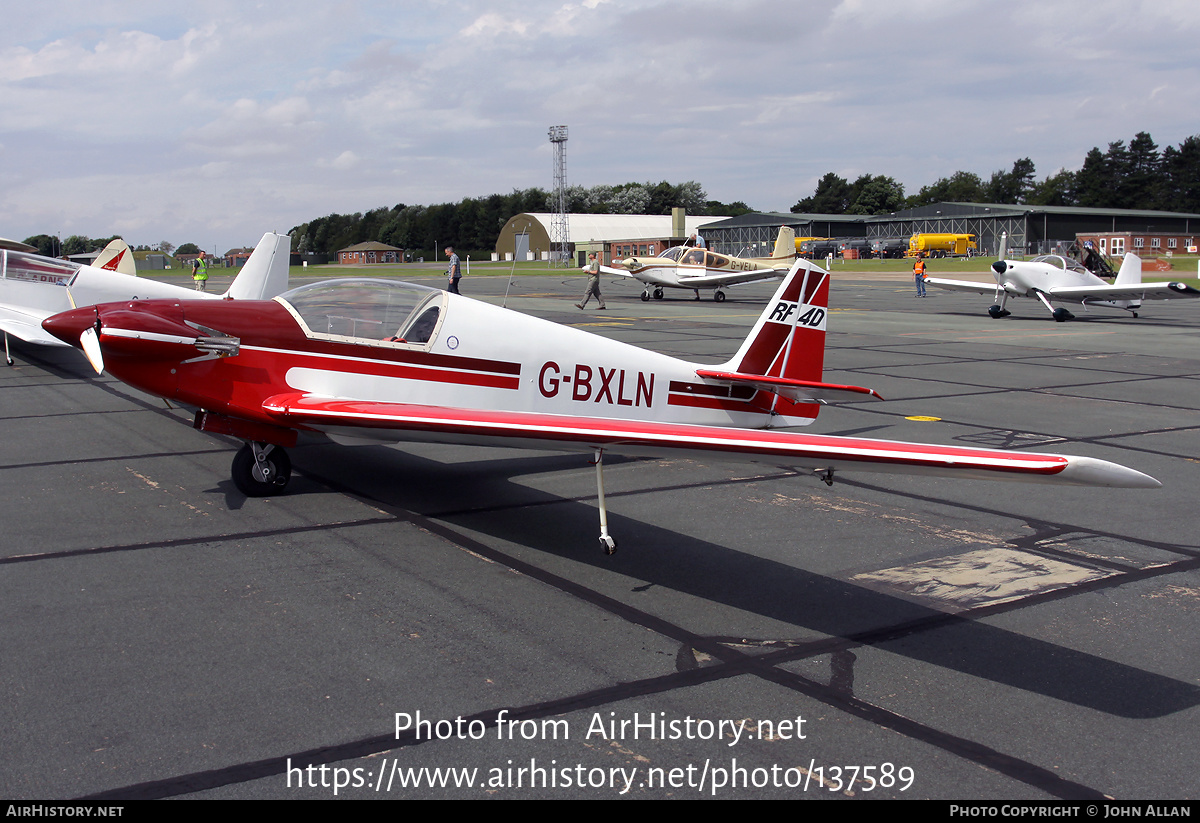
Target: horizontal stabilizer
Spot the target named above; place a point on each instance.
(798, 391)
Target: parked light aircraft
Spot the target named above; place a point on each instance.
(1056, 278)
(682, 267)
(385, 361)
(33, 287)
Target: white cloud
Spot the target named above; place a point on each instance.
(128, 104)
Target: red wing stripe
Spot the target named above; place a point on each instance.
(596, 432)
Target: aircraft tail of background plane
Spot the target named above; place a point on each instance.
(1131, 271)
(265, 274)
(116, 257)
(785, 243)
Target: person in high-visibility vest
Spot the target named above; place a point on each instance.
(919, 276)
(200, 272)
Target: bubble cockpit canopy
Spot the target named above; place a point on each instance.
(362, 310)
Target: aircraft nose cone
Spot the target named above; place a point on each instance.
(69, 325)
(999, 267)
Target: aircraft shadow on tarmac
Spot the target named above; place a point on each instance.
(562, 526)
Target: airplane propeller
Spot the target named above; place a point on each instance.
(89, 341)
(999, 267)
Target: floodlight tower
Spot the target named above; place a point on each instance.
(560, 233)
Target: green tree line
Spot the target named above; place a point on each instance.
(474, 223)
(1134, 176)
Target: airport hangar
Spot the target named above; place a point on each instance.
(526, 236)
(1033, 229)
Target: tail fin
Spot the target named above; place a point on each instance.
(266, 272)
(116, 257)
(1131, 271)
(789, 338)
(785, 243)
(784, 356)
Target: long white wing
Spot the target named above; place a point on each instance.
(1133, 291)
(961, 285)
(402, 421)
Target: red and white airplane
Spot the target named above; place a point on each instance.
(387, 361)
(33, 287)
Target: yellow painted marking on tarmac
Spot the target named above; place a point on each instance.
(601, 324)
(921, 418)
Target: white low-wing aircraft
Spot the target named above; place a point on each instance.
(33, 287)
(684, 267)
(1053, 278)
(384, 361)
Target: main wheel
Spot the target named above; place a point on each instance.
(645, 296)
(1061, 315)
(275, 473)
(658, 294)
(719, 296)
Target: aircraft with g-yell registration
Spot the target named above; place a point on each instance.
(33, 287)
(384, 361)
(685, 267)
(1053, 278)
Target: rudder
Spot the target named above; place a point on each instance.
(789, 338)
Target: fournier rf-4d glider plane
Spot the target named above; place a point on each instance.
(33, 287)
(386, 362)
(1053, 278)
(684, 267)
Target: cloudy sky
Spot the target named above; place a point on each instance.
(212, 122)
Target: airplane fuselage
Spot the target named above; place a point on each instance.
(1028, 279)
(477, 356)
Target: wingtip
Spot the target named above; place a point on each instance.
(1090, 471)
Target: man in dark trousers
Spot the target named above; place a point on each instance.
(454, 273)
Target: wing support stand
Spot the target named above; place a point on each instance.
(607, 544)
(8, 357)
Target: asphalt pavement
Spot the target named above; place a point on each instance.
(439, 621)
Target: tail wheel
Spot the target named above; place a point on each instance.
(262, 475)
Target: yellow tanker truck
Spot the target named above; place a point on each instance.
(940, 245)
